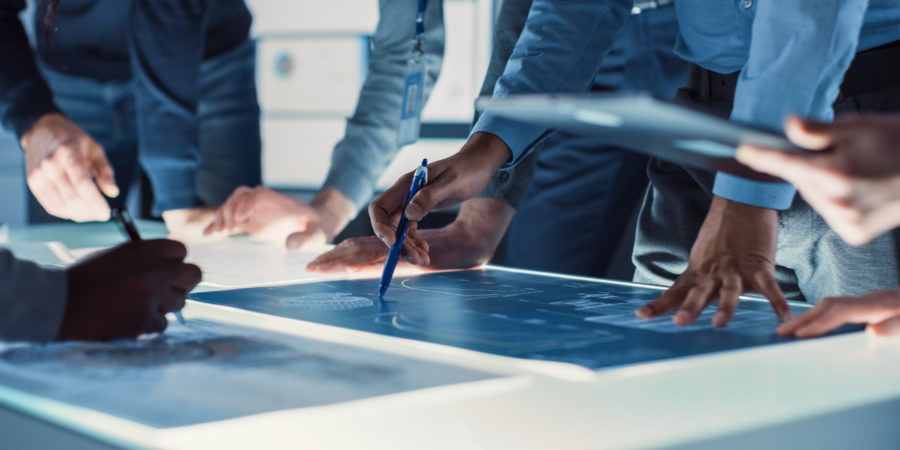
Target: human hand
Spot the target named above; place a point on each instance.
(369, 253)
(61, 163)
(127, 291)
(855, 184)
(262, 211)
(880, 310)
(468, 241)
(734, 252)
(188, 223)
(450, 181)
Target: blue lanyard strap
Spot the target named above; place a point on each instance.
(420, 18)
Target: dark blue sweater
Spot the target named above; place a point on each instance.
(159, 44)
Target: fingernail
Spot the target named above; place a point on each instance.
(383, 239)
(681, 318)
(413, 210)
(719, 319)
(642, 312)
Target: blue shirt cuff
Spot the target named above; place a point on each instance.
(518, 136)
(772, 195)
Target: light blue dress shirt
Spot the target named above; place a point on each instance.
(792, 54)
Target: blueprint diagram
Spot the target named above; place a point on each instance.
(523, 315)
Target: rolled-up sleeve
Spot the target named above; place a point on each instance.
(559, 51)
(370, 140)
(32, 300)
(797, 59)
(24, 96)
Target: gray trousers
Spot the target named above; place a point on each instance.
(812, 262)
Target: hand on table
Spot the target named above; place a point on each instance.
(262, 211)
(62, 162)
(450, 182)
(880, 310)
(855, 184)
(734, 253)
(188, 224)
(127, 291)
(468, 241)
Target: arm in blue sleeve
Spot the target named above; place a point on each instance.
(166, 39)
(370, 139)
(797, 60)
(24, 96)
(560, 50)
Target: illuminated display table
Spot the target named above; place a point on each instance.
(835, 392)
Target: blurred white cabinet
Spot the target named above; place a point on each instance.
(319, 75)
(302, 152)
(309, 16)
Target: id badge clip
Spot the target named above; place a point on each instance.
(413, 90)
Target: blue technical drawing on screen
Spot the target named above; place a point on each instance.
(524, 315)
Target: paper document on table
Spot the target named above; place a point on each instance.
(243, 262)
(240, 262)
(207, 371)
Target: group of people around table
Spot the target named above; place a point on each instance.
(160, 95)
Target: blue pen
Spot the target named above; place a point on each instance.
(419, 180)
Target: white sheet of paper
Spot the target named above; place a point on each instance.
(207, 371)
(243, 262)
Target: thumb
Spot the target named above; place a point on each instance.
(809, 134)
(103, 171)
(300, 239)
(889, 327)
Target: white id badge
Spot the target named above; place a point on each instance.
(411, 109)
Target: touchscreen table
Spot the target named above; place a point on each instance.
(516, 314)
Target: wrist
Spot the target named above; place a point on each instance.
(38, 126)
(335, 211)
(488, 147)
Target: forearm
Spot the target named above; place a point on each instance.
(370, 141)
(24, 96)
(472, 238)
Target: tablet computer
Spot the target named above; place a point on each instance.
(642, 123)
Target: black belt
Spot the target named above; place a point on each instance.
(871, 71)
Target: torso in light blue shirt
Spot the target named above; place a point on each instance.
(795, 65)
(792, 55)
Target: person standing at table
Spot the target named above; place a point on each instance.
(854, 183)
(120, 87)
(779, 67)
(371, 140)
(578, 185)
